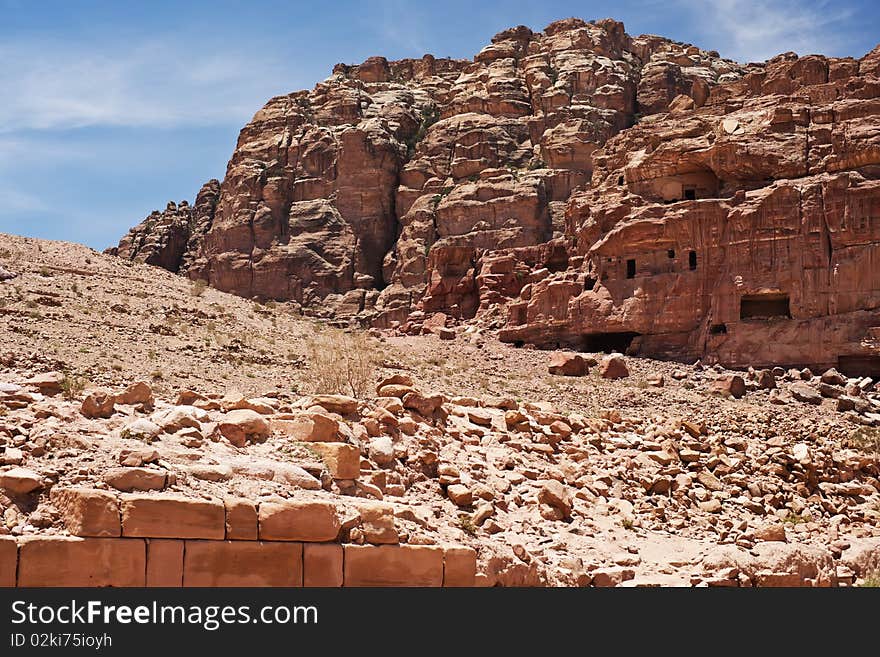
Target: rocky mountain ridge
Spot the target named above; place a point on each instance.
(575, 187)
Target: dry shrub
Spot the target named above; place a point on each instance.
(72, 385)
(198, 287)
(341, 363)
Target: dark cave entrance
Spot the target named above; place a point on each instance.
(764, 306)
(857, 365)
(608, 342)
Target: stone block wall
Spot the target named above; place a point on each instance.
(172, 540)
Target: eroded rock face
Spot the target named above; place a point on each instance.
(742, 231)
(397, 176)
(164, 238)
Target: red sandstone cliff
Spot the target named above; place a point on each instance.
(613, 191)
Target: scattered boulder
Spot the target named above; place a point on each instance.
(556, 499)
(460, 495)
(50, 383)
(136, 393)
(135, 479)
(242, 426)
(566, 364)
(20, 481)
(98, 404)
(613, 366)
(731, 384)
(805, 393)
(833, 377)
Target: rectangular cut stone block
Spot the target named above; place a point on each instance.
(8, 561)
(64, 561)
(322, 564)
(241, 519)
(393, 565)
(164, 562)
(88, 511)
(459, 566)
(342, 460)
(172, 516)
(292, 520)
(242, 563)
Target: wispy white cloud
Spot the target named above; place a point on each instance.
(162, 83)
(755, 30)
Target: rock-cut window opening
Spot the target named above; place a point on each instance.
(764, 306)
(692, 260)
(631, 268)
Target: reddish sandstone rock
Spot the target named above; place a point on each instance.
(732, 384)
(459, 566)
(50, 383)
(322, 564)
(613, 367)
(98, 404)
(241, 519)
(8, 561)
(59, 561)
(387, 565)
(392, 174)
(136, 393)
(88, 512)
(171, 516)
(242, 563)
(164, 562)
(242, 426)
(311, 521)
(567, 365)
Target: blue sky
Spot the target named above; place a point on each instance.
(110, 109)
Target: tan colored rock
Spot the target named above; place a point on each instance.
(311, 427)
(425, 405)
(343, 461)
(20, 481)
(242, 426)
(773, 532)
(134, 479)
(555, 495)
(336, 403)
(460, 495)
(377, 523)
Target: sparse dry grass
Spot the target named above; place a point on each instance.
(341, 363)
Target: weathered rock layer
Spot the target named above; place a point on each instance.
(576, 186)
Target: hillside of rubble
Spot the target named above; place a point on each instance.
(555, 467)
